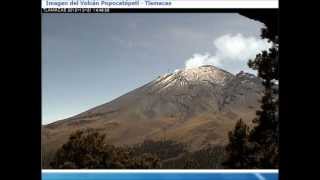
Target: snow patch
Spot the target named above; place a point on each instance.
(203, 74)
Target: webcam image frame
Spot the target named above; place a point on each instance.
(162, 91)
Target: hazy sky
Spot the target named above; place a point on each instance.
(90, 59)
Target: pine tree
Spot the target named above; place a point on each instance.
(265, 135)
(87, 150)
(262, 145)
(84, 149)
(238, 151)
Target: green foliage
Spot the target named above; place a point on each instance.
(267, 65)
(191, 164)
(83, 150)
(145, 161)
(265, 135)
(210, 157)
(238, 151)
(163, 149)
(87, 150)
(261, 143)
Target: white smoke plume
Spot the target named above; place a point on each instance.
(232, 52)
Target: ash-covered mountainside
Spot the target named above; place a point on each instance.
(196, 106)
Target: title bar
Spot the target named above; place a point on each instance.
(198, 4)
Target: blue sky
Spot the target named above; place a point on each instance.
(90, 59)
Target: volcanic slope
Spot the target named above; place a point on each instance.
(196, 106)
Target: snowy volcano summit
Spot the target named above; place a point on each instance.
(205, 88)
(206, 73)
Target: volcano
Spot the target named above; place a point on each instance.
(196, 106)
